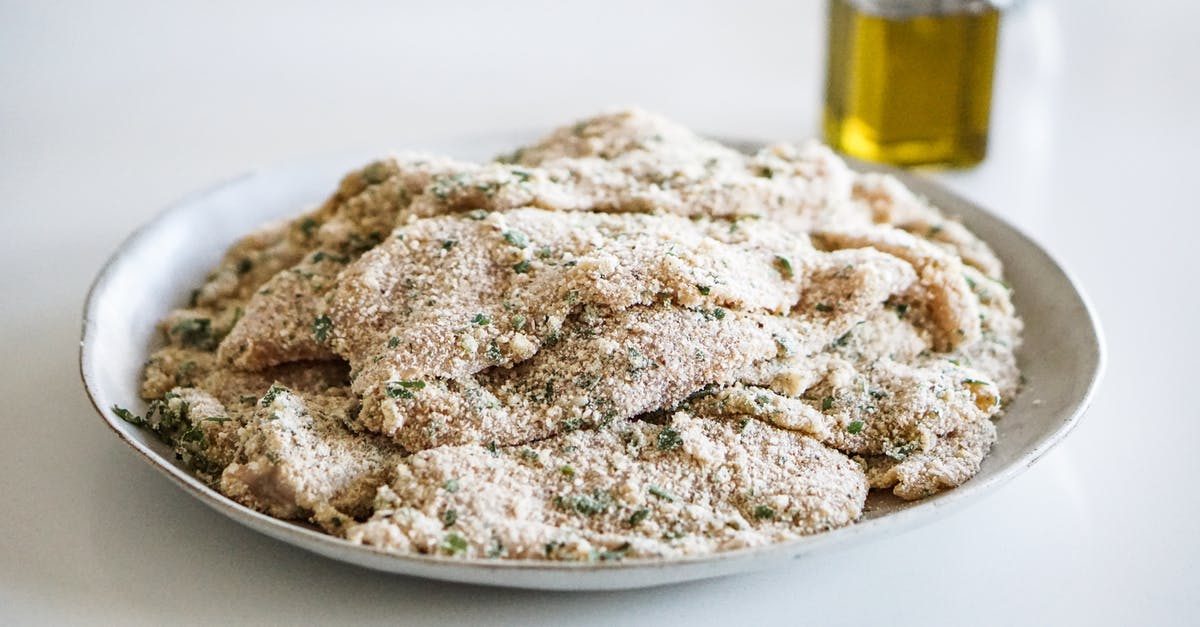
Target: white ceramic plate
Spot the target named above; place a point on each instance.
(156, 268)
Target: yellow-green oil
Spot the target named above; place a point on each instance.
(910, 90)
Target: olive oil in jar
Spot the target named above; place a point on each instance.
(909, 82)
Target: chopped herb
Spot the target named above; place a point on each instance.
(245, 265)
(934, 230)
(451, 485)
(449, 517)
(841, 341)
(491, 447)
(614, 554)
(393, 342)
(661, 493)
(784, 267)
(128, 416)
(901, 309)
(481, 320)
(974, 382)
(453, 544)
(521, 267)
(854, 426)
(763, 512)
(308, 227)
(403, 389)
(477, 214)
(529, 455)
(638, 516)
(518, 322)
(322, 327)
(516, 238)
(704, 289)
(196, 333)
(496, 549)
(448, 244)
(822, 307)
(375, 173)
(668, 439)
(596, 502)
(827, 403)
(272, 392)
(567, 471)
(718, 313)
(184, 376)
(521, 175)
(571, 424)
(493, 352)
(321, 255)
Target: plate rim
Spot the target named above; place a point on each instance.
(476, 570)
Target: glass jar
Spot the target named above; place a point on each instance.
(909, 82)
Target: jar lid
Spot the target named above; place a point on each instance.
(899, 9)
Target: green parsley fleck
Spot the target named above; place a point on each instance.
(272, 392)
(451, 485)
(393, 342)
(516, 238)
(375, 173)
(614, 554)
(763, 512)
(827, 403)
(854, 426)
(518, 322)
(567, 471)
(704, 289)
(638, 516)
(784, 267)
(481, 320)
(668, 439)
(322, 327)
(521, 267)
(718, 313)
(128, 416)
(308, 227)
(453, 544)
(661, 493)
(449, 517)
(403, 389)
(195, 333)
(822, 307)
(448, 244)
(597, 502)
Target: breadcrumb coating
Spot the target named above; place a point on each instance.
(621, 341)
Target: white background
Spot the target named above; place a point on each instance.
(111, 110)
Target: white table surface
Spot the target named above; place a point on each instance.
(108, 113)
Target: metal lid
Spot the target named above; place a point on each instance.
(915, 8)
